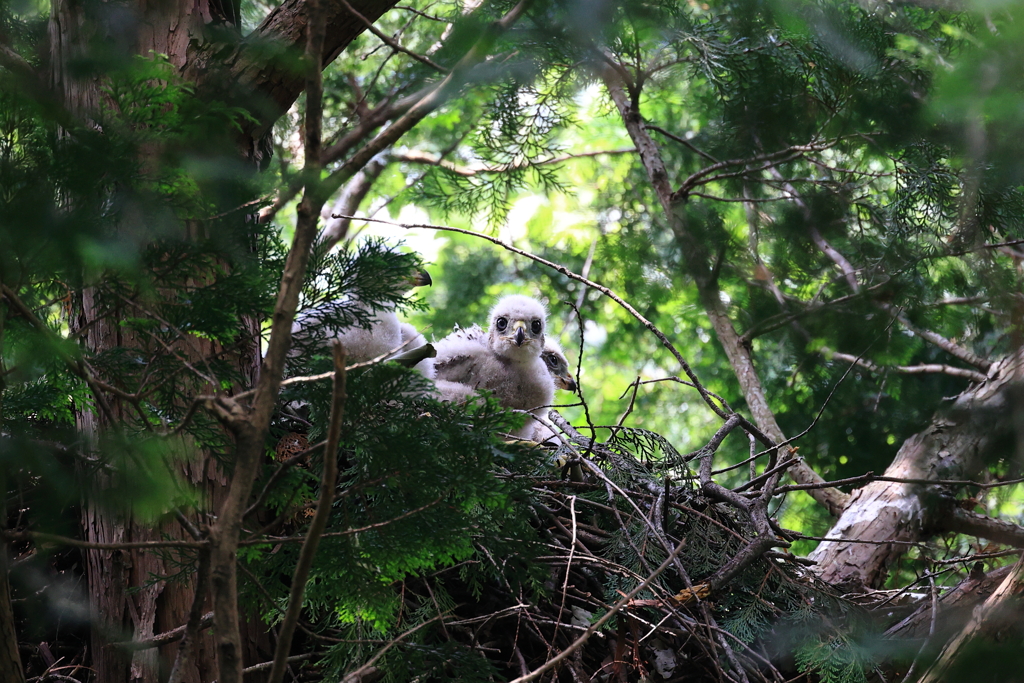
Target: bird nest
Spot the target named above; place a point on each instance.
(640, 571)
(634, 553)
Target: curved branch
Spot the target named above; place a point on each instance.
(705, 394)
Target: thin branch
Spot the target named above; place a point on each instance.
(589, 283)
(767, 160)
(576, 644)
(870, 476)
(339, 534)
(467, 172)
(358, 674)
(946, 345)
(927, 368)
(782, 319)
(348, 202)
(40, 537)
(170, 636)
(393, 44)
(319, 523)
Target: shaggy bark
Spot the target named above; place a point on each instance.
(954, 446)
(10, 659)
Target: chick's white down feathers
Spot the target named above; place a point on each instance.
(507, 361)
(385, 335)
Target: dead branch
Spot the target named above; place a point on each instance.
(926, 368)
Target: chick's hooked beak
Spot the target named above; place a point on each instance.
(566, 382)
(421, 278)
(520, 327)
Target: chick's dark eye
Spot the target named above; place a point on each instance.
(537, 327)
(501, 324)
(551, 361)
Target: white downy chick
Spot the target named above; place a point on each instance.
(507, 361)
(558, 366)
(386, 333)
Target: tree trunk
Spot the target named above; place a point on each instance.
(954, 446)
(124, 601)
(11, 670)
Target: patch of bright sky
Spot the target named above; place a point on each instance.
(427, 243)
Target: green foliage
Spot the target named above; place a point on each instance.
(836, 659)
(891, 134)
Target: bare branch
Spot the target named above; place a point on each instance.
(163, 638)
(767, 161)
(40, 537)
(319, 523)
(393, 44)
(467, 172)
(589, 283)
(576, 644)
(946, 345)
(927, 368)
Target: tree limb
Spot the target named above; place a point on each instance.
(251, 431)
(739, 355)
(983, 526)
(925, 368)
(320, 518)
(1012, 585)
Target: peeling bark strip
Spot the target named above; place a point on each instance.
(954, 446)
